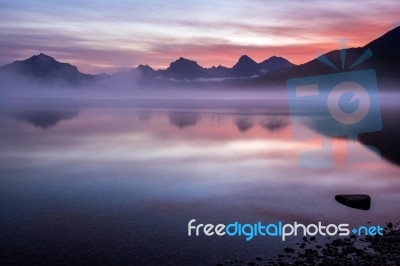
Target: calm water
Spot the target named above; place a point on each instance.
(117, 186)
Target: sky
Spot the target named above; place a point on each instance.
(109, 36)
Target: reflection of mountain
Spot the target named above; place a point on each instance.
(274, 123)
(244, 124)
(182, 120)
(388, 139)
(45, 118)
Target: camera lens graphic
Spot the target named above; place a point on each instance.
(348, 102)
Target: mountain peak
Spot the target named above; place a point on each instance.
(44, 68)
(40, 59)
(274, 63)
(43, 56)
(183, 63)
(144, 67)
(276, 58)
(184, 68)
(245, 67)
(184, 60)
(245, 62)
(146, 70)
(246, 59)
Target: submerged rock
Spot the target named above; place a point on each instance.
(358, 201)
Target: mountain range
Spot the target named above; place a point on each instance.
(385, 60)
(45, 70)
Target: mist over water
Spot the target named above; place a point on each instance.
(96, 180)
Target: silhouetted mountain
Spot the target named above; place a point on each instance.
(272, 72)
(146, 71)
(219, 72)
(44, 69)
(139, 76)
(184, 69)
(245, 67)
(274, 63)
(385, 60)
(386, 55)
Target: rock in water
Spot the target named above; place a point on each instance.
(358, 201)
(289, 250)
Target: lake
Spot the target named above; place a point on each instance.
(116, 183)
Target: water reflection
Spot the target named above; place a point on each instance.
(388, 139)
(384, 142)
(42, 118)
(275, 123)
(183, 119)
(120, 184)
(244, 123)
(144, 115)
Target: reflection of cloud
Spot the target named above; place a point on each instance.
(275, 123)
(182, 120)
(244, 124)
(45, 118)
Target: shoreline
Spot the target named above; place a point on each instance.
(353, 250)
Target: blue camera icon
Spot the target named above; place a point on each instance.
(334, 105)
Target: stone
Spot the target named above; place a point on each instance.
(357, 201)
(289, 250)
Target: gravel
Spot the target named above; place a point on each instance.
(354, 250)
